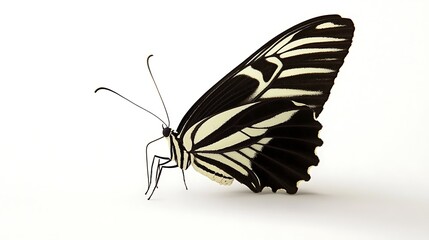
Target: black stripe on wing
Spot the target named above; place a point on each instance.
(250, 179)
(256, 113)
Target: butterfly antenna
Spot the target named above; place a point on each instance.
(157, 89)
(110, 90)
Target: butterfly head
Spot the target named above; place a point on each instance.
(166, 131)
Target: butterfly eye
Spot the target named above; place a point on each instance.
(166, 131)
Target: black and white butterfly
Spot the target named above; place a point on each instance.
(258, 124)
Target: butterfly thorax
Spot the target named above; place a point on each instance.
(178, 153)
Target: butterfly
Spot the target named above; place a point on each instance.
(258, 124)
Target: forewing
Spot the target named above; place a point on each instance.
(299, 64)
(266, 143)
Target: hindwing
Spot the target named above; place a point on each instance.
(265, 143)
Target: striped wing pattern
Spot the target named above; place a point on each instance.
(256, 147)
(302, 66)
(299, 64)
(258, 124)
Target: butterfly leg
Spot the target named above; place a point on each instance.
(160, 167)
(150, 174)
(183, 172)
(184, 181)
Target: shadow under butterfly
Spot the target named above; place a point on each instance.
(258, 124)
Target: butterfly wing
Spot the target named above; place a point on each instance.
(299, 64)
(265, 143)
(257, 124)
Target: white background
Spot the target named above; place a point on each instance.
(72, 162)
